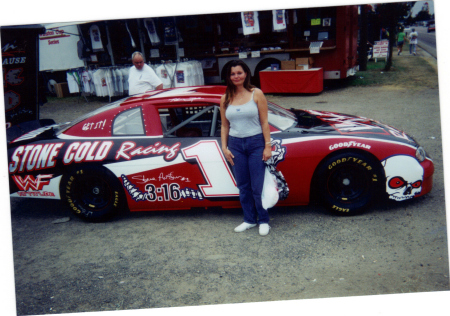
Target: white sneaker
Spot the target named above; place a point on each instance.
(264, 229)
(243, 227)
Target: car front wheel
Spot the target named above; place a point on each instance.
(348, 182)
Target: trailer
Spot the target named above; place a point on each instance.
(287, 50)
(327, 37)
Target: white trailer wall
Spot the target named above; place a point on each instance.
(58, 48)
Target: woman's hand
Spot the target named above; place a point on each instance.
(229, 156)
(267, 153)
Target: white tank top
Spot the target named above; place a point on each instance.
(244, 119)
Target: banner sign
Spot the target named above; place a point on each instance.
(20, 58)
(381, 49)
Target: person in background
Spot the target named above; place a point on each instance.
(246, 144)
(384, 34)
(413, 38)
(400, 40)
(142, 77)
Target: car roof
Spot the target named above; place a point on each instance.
(179, 96)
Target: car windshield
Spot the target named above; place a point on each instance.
(65, 126)
(280, 117)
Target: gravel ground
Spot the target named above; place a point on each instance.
(193, 258)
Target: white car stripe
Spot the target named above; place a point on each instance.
(141, 165)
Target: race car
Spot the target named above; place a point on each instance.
(162, 151)
(431, 27)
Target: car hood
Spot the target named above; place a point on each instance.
(332, 123)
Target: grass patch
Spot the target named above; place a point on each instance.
(373, 77)
(377, 75)
(407, 71)
(371, 65)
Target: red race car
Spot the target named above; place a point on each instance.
(161, 151)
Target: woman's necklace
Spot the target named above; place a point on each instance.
(238, 98)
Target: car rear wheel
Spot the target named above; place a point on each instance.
(348, 182)
(92, 193)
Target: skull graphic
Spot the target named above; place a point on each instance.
(404, 176)
(278, 152)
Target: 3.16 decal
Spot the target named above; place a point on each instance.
(165, 192)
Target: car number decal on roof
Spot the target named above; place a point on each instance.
(185, 99)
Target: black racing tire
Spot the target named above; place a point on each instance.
(349, 182)
(92, 193)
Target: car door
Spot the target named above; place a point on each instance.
(182, 168)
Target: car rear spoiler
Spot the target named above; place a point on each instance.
(21, 129)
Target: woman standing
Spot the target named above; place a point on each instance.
(246, 143)
(400, 40)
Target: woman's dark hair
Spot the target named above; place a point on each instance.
(231, 88)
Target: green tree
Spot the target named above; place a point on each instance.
(390, 14)
(423, 16)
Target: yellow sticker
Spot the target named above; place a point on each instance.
(315, 21)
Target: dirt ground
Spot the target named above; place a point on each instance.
(155, 260)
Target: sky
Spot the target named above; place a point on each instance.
(418, 7)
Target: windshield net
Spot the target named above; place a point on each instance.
(280, 117)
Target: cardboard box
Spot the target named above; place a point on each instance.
(62, 90)
(287, 64)
(303, 63)
(302, 67)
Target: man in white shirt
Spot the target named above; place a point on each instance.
(142, 77)
(413, 42)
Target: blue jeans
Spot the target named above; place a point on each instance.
(249, 171)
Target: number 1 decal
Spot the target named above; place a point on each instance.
(215, 169)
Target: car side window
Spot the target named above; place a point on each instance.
(195, 121)
(129, 122)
